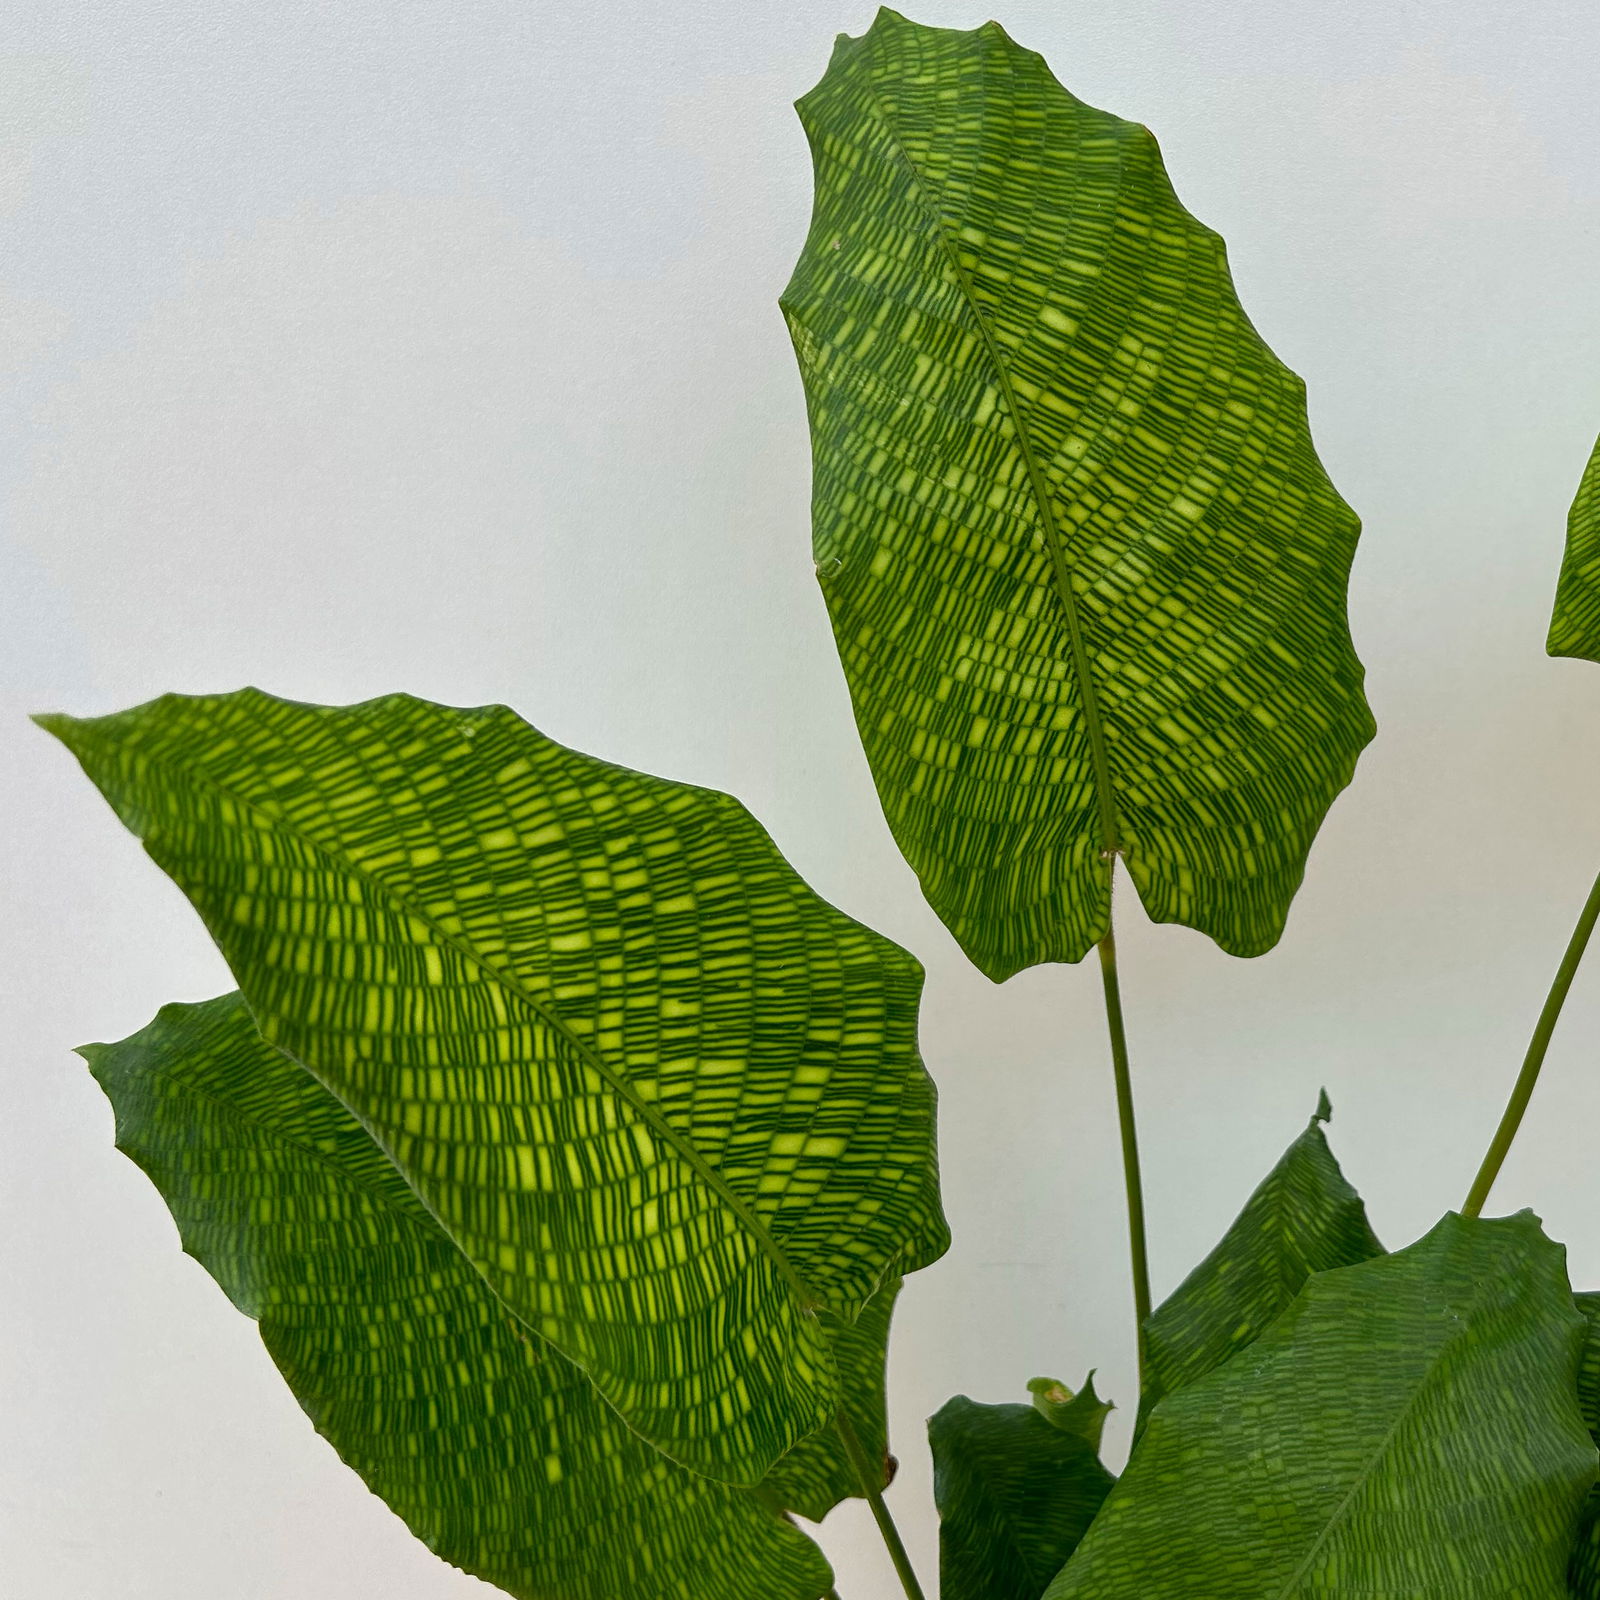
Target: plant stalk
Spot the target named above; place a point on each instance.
(1522, 1091)
(1125, 1121)
(880, 1512)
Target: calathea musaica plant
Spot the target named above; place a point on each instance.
(570, 1151)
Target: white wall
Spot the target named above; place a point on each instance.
(369, 346)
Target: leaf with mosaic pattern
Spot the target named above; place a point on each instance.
(1016, 1493)
(666, 1099)
(1575, 623)
(495, 1450)
(1303, 1217)
(817, 1474)
(1086, 573)
(1409, 1426)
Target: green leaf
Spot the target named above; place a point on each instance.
(495, 1449)
(1304, 1218)
(817, 1474)
(1409, 1426)
(1083, 1413)
(666, 1100)
(1588, 1305)
(1086, 573)
(1583, 1571)
(1575, 623)
(1015, 1494)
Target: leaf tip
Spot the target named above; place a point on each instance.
(1324, 1111)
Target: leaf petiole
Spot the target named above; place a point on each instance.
(1522, 1090)
(880, 1512)
(1125, 1121)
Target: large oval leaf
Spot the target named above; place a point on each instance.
(1086, 573)
(494, 1448)
(1409, 1426)
(1575, 623)
(667, 1101)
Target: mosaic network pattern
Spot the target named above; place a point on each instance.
(1409, 1427)
(816, 1475)
(495, 1450)
(1303, 1218)
(665, 1099)
(1575, 625)
(1086, 573)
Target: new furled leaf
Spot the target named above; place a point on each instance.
(1083, 1413)
(1086, 573)
(1303, 1218)
(495, 1450)
(1575, 622)
(1409, 1426)
(666, 1100)
(1015, 1494)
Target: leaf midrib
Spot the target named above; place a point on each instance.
(1061, 568)
(808, 1299)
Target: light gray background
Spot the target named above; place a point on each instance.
(370, 346)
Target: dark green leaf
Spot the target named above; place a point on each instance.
(1408, 1427)
(1575, 623)
(1086, 573)
(495, 1449)
(1083, 1413)
(1583, 1574)
(1303, 1218)
(1583, 1571)
(1015, 1495)
(666, 1100)
(1588, 1305)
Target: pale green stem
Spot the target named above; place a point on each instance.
(1125, 1122)
(1522, 1091)
(868, 1478)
